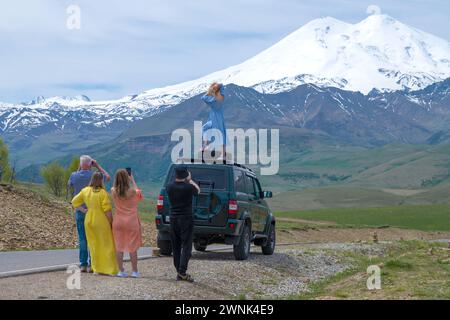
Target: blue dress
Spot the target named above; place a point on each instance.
(216, 119)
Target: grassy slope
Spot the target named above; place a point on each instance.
(56, 145)
(358, 196)
(306, 162)
(332, 197)
(390, 166)
(409, 270)
(426, 218)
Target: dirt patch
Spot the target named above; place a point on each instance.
(29, 221)
(355, 235)
(304, 221)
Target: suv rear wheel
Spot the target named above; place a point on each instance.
(269, 247)
(165, 247)
(199, 247)
(242, 249)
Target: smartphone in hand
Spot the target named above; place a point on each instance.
(129, 171)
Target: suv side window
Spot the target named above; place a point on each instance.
(239, 181)
(258, 187)
(250, 185)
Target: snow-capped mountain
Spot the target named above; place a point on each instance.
(376, 53)
(63, 111)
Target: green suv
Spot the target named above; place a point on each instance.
(230, 209)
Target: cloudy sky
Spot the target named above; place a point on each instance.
(125, 47)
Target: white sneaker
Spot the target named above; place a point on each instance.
(135, 275)
(122, 274)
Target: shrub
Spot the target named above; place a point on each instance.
(54, 176)
(5, 169)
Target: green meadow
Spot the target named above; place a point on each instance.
(426, 217)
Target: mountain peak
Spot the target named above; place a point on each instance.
(324, 21)
(60, 99)
(382, 17)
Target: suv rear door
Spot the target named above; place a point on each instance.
(261, 204)
(211, 206)
(253, 198)
(241, 191)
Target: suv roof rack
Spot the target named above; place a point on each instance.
(192, 160)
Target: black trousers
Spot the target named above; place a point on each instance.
(181, 233)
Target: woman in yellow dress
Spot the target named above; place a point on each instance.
(98, 225)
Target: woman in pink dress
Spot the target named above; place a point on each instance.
(126, 224)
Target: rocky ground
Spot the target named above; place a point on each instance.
(30, 221)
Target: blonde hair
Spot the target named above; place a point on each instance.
(97, 182)
(121, 183)
(211, 90)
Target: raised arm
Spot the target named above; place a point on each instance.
(138, 191)
(189, 179)
(208, 99)
(100, 168)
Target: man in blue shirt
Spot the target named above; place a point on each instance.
(79, 180)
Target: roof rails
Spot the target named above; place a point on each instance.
(197, 161)
(242, 166)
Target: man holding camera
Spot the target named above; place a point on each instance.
(180, 194)
(79, 180)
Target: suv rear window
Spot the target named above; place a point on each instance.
(239, 181)
(250, 185)
(217, 176)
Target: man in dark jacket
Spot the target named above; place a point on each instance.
(180, 195)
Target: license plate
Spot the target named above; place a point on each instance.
(167, 219)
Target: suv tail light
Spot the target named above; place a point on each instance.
(160, 203)
(232, 207)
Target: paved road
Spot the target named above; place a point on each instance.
(16, 263)
(25, 262)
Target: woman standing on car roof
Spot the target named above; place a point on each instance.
(214, 99)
